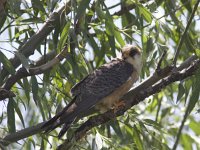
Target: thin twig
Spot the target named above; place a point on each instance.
(161, 59)
(181, 127)
(184, 33)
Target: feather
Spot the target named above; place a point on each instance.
(90, 91)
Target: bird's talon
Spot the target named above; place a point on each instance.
(118, 105)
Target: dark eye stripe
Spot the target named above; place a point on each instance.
(133, 52)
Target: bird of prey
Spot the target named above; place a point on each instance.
(101, 89)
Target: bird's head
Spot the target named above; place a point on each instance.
(132, 55)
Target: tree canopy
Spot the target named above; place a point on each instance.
(48, 46)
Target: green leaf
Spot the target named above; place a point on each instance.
(36, 92)
(15, 6)
(26, 86)
(119, 38)
(64, 36)
(186, 141)
(42, 147)
(195, 92)
(152, 6)
(19, 113)
(187, 4)
(145, 13)
(166, 29)
(41, 108)
(181, 92)
(30, 20)
(101, 15)
(195, 127)
(137, 139)
(3, 17)
(23, 60)
(91, 41)
(152, 123)
(109, 27)
(111, 41)
(11, 116)
(6, 63)
(197, 52)
(115, 125)
(34, 85)
(150, 45)
(81, 9)
(37, 4)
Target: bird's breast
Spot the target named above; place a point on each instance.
(107, 102)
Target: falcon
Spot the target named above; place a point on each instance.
(101, 89)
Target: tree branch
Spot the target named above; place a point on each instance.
(131, 101)
(186, 69)
(29, 47)
(22, 72)
(13, 137)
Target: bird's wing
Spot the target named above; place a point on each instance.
(104, 80)
(92, 89)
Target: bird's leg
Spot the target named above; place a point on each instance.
(118, 104)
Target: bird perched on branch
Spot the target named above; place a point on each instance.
(101, 89)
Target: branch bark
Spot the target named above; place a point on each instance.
(150, 86)
(29, 47)
(22, 72)
(131, 98)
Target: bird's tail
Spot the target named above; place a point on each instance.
(65, 117)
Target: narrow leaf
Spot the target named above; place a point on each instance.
(81, 9)
(6, 63)
(64, 36)
(145, 13)
(116, 128)
(119, 38)
(194, 125)
(195, 92)
(19, 113)
(181, 92)
(11, 116)
(26, 86)
(137, 139)
(34, 89)
(23, 60)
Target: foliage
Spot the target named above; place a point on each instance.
(94, 32)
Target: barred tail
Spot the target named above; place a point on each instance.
(64, 117)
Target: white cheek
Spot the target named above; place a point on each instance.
(137, 63)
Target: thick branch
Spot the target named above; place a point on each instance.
(13, 137)
(188, 68)
(129, 102)
(6, 93)
(22, 72)
(29, 47)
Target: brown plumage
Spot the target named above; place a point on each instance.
(100, 89)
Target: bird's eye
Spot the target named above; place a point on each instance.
(133, 52)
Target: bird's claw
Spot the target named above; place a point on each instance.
(118, 105)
